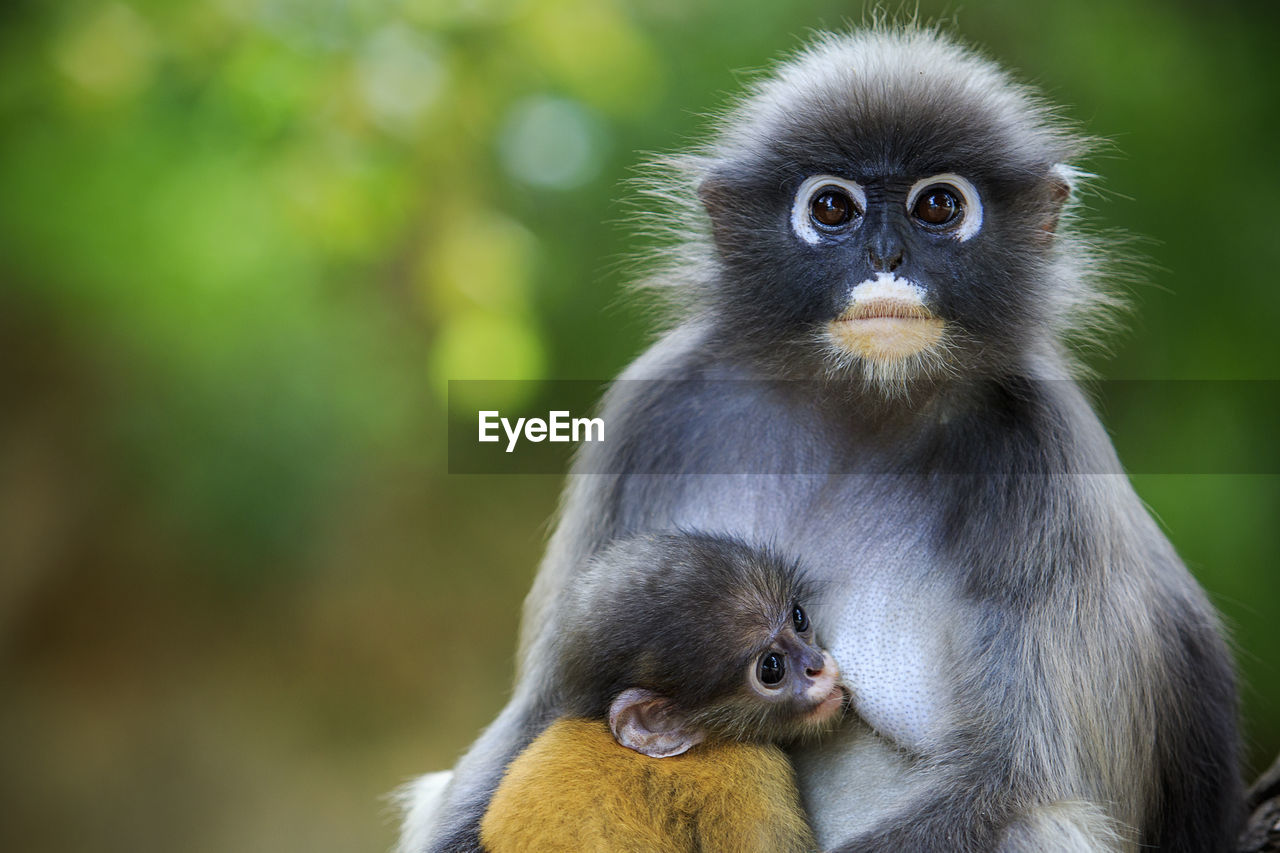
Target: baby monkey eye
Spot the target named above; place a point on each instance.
(773, 668)
(832, 207)
(800, 619)
(937, 206)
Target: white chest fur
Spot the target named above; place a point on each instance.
(889, 627)
(889, 632)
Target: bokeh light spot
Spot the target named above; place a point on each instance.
(550, 142)
(461, 12)
(479, 258)
(108, 55)
(401, 77)
(593, 49)
(482, 345)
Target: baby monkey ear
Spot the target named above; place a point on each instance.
(645, 721)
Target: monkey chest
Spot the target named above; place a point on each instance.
(888, 610)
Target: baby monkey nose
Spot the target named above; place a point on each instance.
(824, 665)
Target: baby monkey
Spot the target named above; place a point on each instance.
(689, 648)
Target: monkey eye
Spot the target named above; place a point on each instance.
(772, 669)
(831, 208)
(937, 206)
(946, 204)
(800, 619)
(826, 206)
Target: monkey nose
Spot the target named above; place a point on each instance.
(825, 666)
(884, 259)
(823, 677)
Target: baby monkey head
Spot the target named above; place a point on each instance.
(710, 638)
(887, 206)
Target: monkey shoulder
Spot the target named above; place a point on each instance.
(704, 416)
(576, 788)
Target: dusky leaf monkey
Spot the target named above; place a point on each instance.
(881, 282)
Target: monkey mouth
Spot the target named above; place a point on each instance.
(886, 320)
(830, 707)
(885, 308)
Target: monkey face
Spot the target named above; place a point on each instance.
(788, 688)
(892, 222)
(893, 273)
(793, 674)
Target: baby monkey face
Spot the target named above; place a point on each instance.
(796, 677)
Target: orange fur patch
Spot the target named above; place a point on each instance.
(576, 789)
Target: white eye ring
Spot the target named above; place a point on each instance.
(971, 214)
(800, 221)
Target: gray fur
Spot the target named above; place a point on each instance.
(1032, 665)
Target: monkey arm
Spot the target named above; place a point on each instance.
(1066, 826)
(456, 820)
(1079, 707)
(419, 801)
(975, 811)
(991, 789)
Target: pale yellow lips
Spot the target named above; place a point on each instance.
(886, 320)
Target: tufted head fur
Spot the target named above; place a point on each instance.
(881, 116)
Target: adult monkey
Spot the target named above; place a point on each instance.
(1032, 666)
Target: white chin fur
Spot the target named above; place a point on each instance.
(886, 285)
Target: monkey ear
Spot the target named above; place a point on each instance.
(1061, 184)
(645, 721)
(712, 192)
(716, 195)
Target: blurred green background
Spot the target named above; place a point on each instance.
(243, 245)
